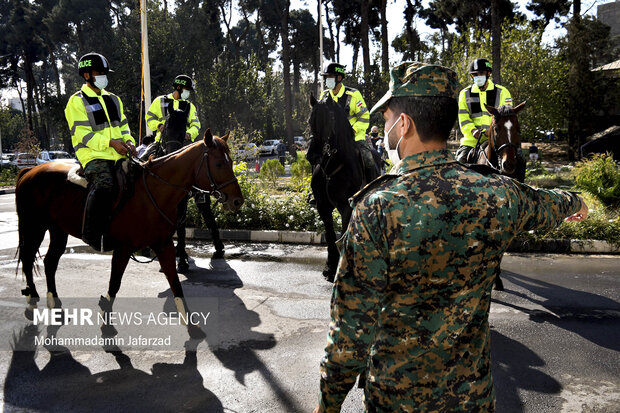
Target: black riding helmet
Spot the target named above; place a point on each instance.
(480, 65)
(334, 69)
(183, 81)
(93, 61)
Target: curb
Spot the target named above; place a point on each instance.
(551, 246)
(7, 191)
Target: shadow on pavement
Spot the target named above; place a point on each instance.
(232, 340)
(593, 317)
(514, 366)
(65, 385)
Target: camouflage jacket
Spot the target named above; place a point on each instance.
(410, 304)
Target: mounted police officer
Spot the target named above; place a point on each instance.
(474, 119)
(164, 106)
(410, 303)
(100, 136)
(354, 106)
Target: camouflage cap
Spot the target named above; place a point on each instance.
(419, 79)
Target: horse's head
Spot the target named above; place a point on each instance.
(219, 177)
(505, 136)
(321, 121)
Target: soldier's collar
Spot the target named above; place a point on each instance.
(340, 92)
(425, 159)
(91, 93)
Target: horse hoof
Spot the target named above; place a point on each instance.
(329, 274)
(499, 285)
(218, 254)
(195, 332)
(183, 266)
(29, 314)
(108, 331)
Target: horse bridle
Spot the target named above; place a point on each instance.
(215, 192)
(498, 151)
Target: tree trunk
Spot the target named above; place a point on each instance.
(332, 51)
(575, 77)
(364, 36)
(338, 43)
(496, 32)
(286, 72)
(356, 50)
(385, 45)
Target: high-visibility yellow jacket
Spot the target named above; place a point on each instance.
(156, 115)
(473, 114)
(95, 120)
(354, 106)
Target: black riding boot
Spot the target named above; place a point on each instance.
(96, 220)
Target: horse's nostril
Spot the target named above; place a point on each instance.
(238, 202)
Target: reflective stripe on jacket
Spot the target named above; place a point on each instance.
(156, 115)
(472, 112)
(94, 120)
(355, 107)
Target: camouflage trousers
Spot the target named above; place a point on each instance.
(100, 174)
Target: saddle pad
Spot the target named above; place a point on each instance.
(74, 176)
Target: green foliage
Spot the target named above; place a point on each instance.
(600, 176)
(301, 172)
(271, 170)
(8, 175)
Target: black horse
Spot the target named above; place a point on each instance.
(172, 138)
(338, 171)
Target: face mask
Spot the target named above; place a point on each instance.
(480, 80)
(101, 82)
(330, 82)
(185, 94)
(392, 152)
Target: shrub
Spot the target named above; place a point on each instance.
(301, 172)
(8, 175)
(271, 170)
(600, 176)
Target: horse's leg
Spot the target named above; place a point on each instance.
(166, 256)
(120, 258)
(325, 212)
(58, 242)
(180, 251)
(31, 236)
(207, 215)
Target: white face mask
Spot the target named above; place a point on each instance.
(101, 82)
(480, 80)
(185, 94)
(392, 153)
(330, 82)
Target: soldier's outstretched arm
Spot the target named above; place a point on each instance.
(356, 297)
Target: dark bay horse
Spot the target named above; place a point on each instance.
(338, 173)
(501, 150)
(504, 141)
(47, 201)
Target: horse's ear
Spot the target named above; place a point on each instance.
(225, 137)
(520, 106)
(492, 110)
(208, 137)
(313, 100)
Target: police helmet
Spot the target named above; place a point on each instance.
(334, 69)
(480, 65)
(93, 61)
(183, 81)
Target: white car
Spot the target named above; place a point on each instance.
(24, 159)
(247, 152)
(7, 159)
(269, 147)
(54, 156)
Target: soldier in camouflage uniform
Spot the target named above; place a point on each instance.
(410, 303)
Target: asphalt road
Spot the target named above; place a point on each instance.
(555, 334)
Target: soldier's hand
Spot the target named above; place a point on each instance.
(317, 409)
(120, 147)
(581, 214)
(160, 127)
(476, 133)
(188, 136)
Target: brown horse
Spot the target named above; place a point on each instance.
(47, 201)
(504, 140)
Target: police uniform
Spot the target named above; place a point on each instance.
(159, 110)
(94, 121)
(410, 303)
(473, 114)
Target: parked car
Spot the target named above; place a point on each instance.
(54, 156)
(7, 159)
(24, 159)
(247, 152)
(269, 147)
(300, 142)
